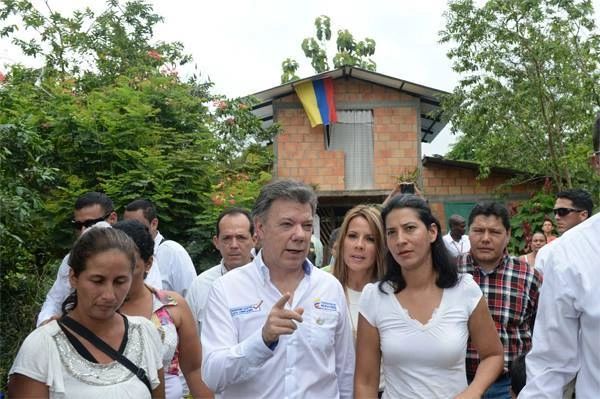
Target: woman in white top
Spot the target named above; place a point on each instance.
(360, 256)
(56, 362)
(170, 314)
(421, 315)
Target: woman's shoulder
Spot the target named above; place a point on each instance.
(373, 291)
(466, 283)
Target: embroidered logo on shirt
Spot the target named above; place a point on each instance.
(242, 310)
(324, 305)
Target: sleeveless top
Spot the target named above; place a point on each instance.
(163, 321)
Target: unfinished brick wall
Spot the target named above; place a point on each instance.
(301, 152)
(454, 182)
(447, 180)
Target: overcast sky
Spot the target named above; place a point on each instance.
(240, 44)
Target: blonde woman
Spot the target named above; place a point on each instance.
(360, 256)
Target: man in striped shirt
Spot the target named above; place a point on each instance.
(511, 288)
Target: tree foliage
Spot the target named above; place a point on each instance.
(529, 87)
(349, 51)
(108, 111)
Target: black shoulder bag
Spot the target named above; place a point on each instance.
(106, 348)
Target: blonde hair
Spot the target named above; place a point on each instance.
(373, 217)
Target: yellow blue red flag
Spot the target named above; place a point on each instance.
(317, 99)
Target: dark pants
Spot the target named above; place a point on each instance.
(499, 389)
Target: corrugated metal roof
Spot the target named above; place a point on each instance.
(432, 120)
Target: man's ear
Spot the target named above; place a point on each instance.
(215, 241)
(258, 228)
(112, 218)
(154, 224)
(72, 278)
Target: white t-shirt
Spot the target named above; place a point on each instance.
(457, 248)
(423, 361)
(47, 356)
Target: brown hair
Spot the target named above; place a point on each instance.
(373, 217)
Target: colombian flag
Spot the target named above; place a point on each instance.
(317, 99)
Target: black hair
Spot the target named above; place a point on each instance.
(580, 198)
(147, 207)
(140, 235)
(94, 241)
(95, 198)
(236, 211)
(447, 271)
(490, 208)
(518, 375)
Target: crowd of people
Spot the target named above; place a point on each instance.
(401, 310)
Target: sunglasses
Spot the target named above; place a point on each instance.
(77, 225)
(562, 212)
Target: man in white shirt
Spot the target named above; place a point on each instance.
(174, 263)
(567, 328)
(234, 240)
(457, 242)
(278, 327)
(571, 208)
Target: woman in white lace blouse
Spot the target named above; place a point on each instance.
(56, 362)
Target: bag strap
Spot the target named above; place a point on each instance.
(107, 349)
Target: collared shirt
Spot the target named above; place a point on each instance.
(316, 361)
(176, 266)
(511, 291)
(457, 248)
(567, 330)
(197, 293)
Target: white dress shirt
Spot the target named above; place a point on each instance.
(197, 293)
(566, 337)
(457, 248)
(316, 361)
(176, 266)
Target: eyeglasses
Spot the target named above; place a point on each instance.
(562, 212)
(77, 225)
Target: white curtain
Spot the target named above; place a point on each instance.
(353, 134)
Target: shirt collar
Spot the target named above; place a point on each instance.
(307, 266)
(501, 265)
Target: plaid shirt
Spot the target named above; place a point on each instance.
(511, 291)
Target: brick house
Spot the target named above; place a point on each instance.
(382, 122)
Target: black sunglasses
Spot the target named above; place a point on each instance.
(562, 212)
(88, 223)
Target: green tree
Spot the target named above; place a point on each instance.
(109, 112)
(529, 84)
(349, 51)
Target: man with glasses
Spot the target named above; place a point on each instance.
(571, 208)
(565, 339)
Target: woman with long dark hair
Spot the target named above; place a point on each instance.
(60, 358)
(419, 317)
